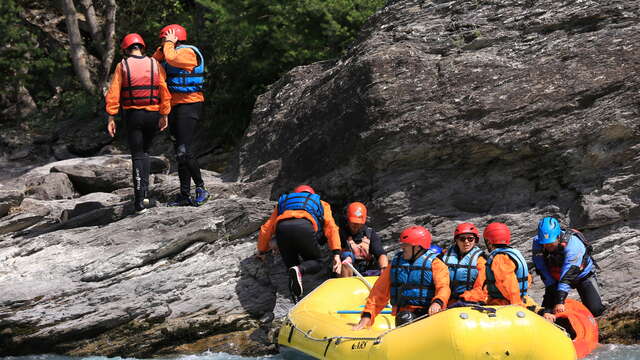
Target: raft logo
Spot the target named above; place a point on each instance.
(360, 345)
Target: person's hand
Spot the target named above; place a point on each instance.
(559, 308)
(171, 36)
(434, 308)
(337, 264)
(365, 322)
(273, 245)
(163, 123)
(111, 126)
(549, 317)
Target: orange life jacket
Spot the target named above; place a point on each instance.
(140, 81)
(584, 326)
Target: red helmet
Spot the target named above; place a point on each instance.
(497, 233)
(416, 236)
(466, 228)
(304, 188)
(181, 32)
(131, 39)
(357, 213)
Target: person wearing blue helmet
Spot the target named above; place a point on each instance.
(562, 258)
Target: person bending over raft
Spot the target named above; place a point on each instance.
(417, 282)
(563, 260)
(506, 269)
(466, 263)
(298, 222)
(138, 86)
(360, 244)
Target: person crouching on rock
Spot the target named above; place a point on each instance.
(138, 85)
(563, 260)
(506, 269)
(417, 282)
(298, 221)
(466, 263)
(361, 245)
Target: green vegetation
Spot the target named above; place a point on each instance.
(248, 44)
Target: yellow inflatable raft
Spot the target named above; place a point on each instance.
(319, 327)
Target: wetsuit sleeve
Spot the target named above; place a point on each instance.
(266, 231)
(504, 271)
(379, 295)
(158, 55)
(112, 98)
(376, 245)
(165, 95)
(441, 281)
(574, 251)
(183, 58)
(479, 292)
(541, 267)
(330, 229)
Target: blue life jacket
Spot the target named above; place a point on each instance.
(412, 283)
(183, 81)
(522, 272)
(308, 202)
(462, 272)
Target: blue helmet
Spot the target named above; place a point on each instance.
(548, 230)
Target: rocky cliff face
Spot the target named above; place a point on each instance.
(442, 112)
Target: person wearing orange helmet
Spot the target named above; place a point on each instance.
(506, 269)
(184, 65)
(466, 263)
(417, 282)
(138, 86)
(361, 245)
(299, 220)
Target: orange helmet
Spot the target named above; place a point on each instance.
(304, 188)
(357, 213)
(131, 39)
(466, 228)
(181, 32)
(497, 233)
(416, 236)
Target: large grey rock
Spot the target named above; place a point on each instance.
(53, 186)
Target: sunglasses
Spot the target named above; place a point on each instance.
(466, 238)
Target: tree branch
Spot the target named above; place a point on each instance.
(110, 38)
(78, 53)
(96, 35)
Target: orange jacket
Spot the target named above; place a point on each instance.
(479, 292)
(329, 227)
(182, 58)
(112, 98)
(381, 291)
(504, 270)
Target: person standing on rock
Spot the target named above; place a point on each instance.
(298, 221)
(361, 245)
(563, 260)
(416, 283)
(138, 86)
(466, 263)
(506, 269)
(184, 65)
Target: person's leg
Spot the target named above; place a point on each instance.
(189, 119)
(184, 197)
(590, 295)
(134, 120)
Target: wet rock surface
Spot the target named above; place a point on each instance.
(441, 112)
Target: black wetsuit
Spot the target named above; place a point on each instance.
(142, 127)
(182, 124)
(296, 239)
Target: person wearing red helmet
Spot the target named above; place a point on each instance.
(506, 269)
(184, 65)
(138, 86)
(299, 220)
(361, 245)
(466, 263)
(417, 282)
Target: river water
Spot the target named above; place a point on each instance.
(604, 352)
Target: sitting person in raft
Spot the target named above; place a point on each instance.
(417, 282)
(361, 245)
(466, 263)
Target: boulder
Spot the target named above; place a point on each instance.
(54, 186)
